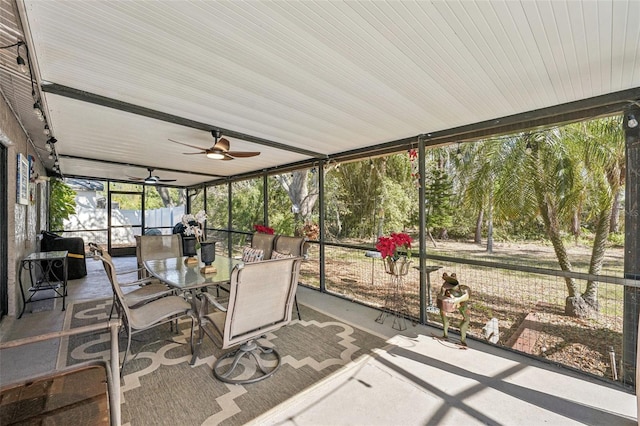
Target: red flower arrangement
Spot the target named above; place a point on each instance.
(261, 229)
(389, 246)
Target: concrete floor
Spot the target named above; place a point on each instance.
(418, 380)
(47, 316)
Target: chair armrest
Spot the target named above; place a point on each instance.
(214, 302)
(130, 272)
(139, 282)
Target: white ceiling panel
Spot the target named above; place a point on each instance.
(319, 76)
(109, 135)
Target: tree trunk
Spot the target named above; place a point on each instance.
(614, 222)
(164, 196)
(590, 294)
(296, 185)
(432, 239)
(478, 235)
(575, 224)
(574, 303)
(490, 231)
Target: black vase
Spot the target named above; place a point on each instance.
(189, 246)
(208, 252)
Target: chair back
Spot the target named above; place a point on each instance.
(263, 242)
(260, 298)
(290, 245)
(96, 249)
(150, 247)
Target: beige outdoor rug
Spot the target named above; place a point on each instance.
(161, 388)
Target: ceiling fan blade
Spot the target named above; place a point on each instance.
(151, 179)
(222, 144)
(186, 144)
(195, 153)
(242, 154)
(227, 157)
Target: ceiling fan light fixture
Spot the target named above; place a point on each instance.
(215, 155)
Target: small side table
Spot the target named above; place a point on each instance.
(47, 279)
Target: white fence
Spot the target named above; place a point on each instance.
(87, 220)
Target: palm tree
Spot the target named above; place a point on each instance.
(541, 181)
(603, 157)
(564, 172)
(471, 182)
(483, 168)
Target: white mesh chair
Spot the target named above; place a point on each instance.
(260, 301)
(149, 315)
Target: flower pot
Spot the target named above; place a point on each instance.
(398, 266)
(208, 252)
(189, 246)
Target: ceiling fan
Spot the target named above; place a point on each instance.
(219, 150)
(151, 179)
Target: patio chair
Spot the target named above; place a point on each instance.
(156, 247)
(148, 288)
(83, 393)
(255, 307)
(148, 315)
(263, 242)
(293, 246)
(289, 245)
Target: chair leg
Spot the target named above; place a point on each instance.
(124, 360)
(113, 306)
(191, 337)
(250, 349)
(295, 300)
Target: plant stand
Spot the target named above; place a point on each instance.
(394, 303)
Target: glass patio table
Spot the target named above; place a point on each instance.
(185, 277)
(181, 276)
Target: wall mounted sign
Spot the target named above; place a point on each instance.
(22, 181)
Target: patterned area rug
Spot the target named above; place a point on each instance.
(160, 387)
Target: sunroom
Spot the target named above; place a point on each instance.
(486, 131)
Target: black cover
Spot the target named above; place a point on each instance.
(77, 267)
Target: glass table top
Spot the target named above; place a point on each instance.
(176, 273)
(47, 255)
